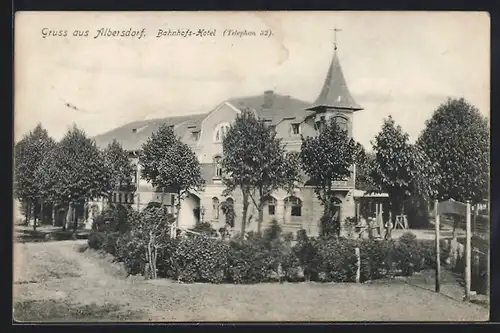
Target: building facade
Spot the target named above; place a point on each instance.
(204, 133)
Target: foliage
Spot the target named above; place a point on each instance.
(118, 163)
(254, 161)
(376, 259)
(200, 259)
(401, 169)
(305, 251)
(167, 162)
(206, 229)
(114, 218)
(228, 210)
(250, 261)
(30, 154)
(105, 241)
(326, 158)
(335, 260)
(457, 139)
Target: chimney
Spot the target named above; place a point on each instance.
(268, 99)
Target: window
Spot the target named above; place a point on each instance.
(271, 205)
(221, 132)
(172, 200)
(295, 205)
(114, 197)
(342, 122)
(295, 129)
(272, 128)
(119, 197)
(218, 166)
(195, 136)
(215, 208)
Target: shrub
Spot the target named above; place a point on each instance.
(104, 241)
(407, 254)
(335, 260)
(131, 254)
(200, 259)
(205, 228)
(375, 258)
(114, 218)
(251, 260)
(305, 251)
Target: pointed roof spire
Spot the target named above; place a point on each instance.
(335, 93)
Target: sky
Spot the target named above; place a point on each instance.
(403, 64)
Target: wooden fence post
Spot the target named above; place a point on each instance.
(438, 257)
(467, 251)
(358, 269)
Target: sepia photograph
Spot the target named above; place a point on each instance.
(282, 166)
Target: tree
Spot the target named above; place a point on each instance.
(457, 139)
(364, 162)
(47, 175)
(118, 163)
(28, 156)
(254, 161)
(326, 158)
(401, 169)
(168, 163)
(81, 171)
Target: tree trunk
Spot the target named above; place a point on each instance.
(34, 216)
(41, 210)
(53, 216)
(27, 213)
(244, 213)
(261, 217)
(74, 219)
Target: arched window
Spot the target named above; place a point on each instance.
(218, 166)
(271, 205)
(215, 208)
(221, 132)
(295, 206)
(342, 122)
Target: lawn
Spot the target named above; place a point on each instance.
(67, 284)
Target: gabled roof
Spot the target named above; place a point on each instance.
(145, 128)
(274, 107)
(335, 93)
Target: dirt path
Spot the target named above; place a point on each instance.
(89, 278)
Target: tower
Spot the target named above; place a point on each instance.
(335, 99)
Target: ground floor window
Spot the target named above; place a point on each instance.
(271, 205)
(215, 208)
(295, 206)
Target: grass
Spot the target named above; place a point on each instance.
(62, 311)
(103, 293)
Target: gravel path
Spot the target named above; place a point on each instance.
(95, 280)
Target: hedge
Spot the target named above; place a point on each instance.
(271, 257)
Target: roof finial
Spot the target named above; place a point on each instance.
(335, 30)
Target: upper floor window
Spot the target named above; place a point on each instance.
(342, 122)
(272, 128)
(295, 129)
(221, 132)
(195, 135)
(218, 166)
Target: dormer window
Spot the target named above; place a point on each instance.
(295, 129)
(195, 135)
(221, 132)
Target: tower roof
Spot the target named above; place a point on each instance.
(335, 93)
